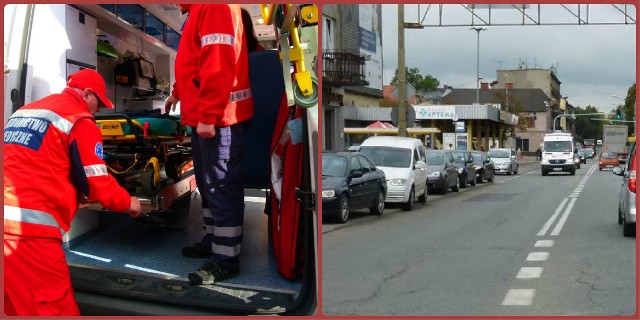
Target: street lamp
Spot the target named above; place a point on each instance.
(478, 64)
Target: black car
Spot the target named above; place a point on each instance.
(466, 167)
(351, 181)
(484, 166)
(442, 172)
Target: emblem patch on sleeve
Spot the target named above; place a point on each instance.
(99, 150)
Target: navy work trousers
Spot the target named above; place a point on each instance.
(217, 163)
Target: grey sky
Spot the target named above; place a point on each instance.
(593, 62)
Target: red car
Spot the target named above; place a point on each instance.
(608, 160)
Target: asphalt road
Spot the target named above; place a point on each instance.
(523, 245)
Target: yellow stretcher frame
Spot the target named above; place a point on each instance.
(304, 90)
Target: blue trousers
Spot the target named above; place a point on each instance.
(217, 163)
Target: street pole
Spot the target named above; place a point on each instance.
(402, 76)
(573, 115)
(478, 65)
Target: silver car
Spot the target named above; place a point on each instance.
(505, 160)
(627, 196)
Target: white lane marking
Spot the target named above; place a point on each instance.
(538, 256)
(529, 272)
(563, 219)
(518, 297)
(547, 225)
(544, 244)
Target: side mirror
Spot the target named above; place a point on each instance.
(356, 174)
(420, 165)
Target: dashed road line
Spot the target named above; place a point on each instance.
(518, 297)
(524, 297)
(544, 244)
(538, 256)
(529, 273)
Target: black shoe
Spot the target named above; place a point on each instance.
(212, 272)
(197, 250)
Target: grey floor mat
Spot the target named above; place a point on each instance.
(121, 242)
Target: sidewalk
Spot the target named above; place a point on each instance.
(528, 160)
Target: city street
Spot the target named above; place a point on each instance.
(522, 245)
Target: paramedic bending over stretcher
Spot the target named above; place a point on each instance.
(212, 85)
(52, 160)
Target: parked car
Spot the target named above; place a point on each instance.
(484, 166)
(351, 181)
(505, 160)
(608, 160)
(627, 194)
(466, 167)
(403, 161)
(442, 172)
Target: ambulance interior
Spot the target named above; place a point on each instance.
(121, 265)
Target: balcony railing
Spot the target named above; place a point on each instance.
(343, 68)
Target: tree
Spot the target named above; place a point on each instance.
(629, 107)
(586, 128)
(417, 80)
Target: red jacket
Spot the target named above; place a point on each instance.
(53, 156)
(212, 67)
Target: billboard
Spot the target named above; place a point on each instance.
(370, 42)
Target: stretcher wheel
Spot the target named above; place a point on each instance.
(302, 100)
(171, 168)
(148, 187)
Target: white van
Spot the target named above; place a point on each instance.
(558, 153)
(403, 161)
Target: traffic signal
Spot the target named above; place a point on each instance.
(618, 114)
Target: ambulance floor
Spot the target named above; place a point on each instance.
(123, 243)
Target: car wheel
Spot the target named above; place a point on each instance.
(456, 188)
(343, 209)
(423, 198)
(619, 216)
(628, 229)
(444, 186)
(463, 181)
(412, 199)
(473, 181)
(573, 172)
(544, 172)
(516, 172)
(490, 179)
(378, 206)
(480, 177)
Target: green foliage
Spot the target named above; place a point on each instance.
(417, 80)
(586, 128)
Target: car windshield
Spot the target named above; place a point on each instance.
(499, 153)
(435, 158)
(609, 155)
(557, 146)
(459, 156)
(334, 166)
(388, 156)
(477, 157)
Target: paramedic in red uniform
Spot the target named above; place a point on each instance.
(212, 85)
(52, 159)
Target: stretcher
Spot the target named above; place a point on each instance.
(149, 154)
